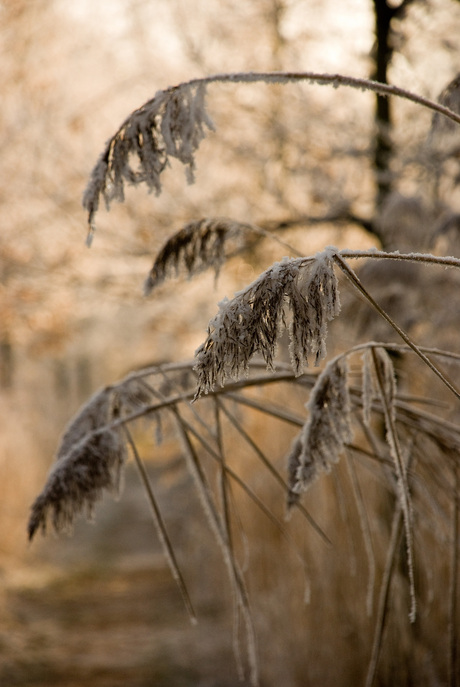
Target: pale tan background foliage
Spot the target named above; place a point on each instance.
(72, 319)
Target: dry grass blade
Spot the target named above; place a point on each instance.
(257, 450)
(225, 493)
(265, 461)
(88, 462)
(196, 247)
(252, 321)
(286, 417)
(161, 530)
(386, 385)
(366, 532)
(453, 606)
(218, 527)
(236, 478)
(395, 539)
(350, 274)
(224, 488)
(276, 411)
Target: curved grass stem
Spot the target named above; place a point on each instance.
(161, 528)
(353, 277)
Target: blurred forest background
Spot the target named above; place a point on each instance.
(321, 165)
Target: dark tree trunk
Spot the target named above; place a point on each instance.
(383, 53)
(384, 13)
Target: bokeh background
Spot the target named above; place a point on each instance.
(99, 607)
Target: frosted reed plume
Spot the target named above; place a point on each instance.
(252, 321)
(326, 431)
(170, 125)
(196, 247)
(90, 459)
(298, 294)
(174, 122)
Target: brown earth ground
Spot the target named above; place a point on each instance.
(101, 608)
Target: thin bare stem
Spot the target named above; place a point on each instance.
(273, 237)
(223, 483)
(174, 122)
(346, 269)
(401, 475)
(395, 538)
(366, 532)
(161, 528)
(218, 527)
(266, 409)
(447, 261)
(334, 80)
(453, 606)
(252, 495)
(257, 450)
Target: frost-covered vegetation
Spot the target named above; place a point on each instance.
(388, 406)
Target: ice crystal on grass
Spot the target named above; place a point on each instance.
(326, 431)
(170, 125)
(252, 321)
(196, 247)
(89, 460)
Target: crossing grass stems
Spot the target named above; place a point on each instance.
(298, 296)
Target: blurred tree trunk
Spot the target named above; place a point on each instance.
(384, 13)
(383, 52)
